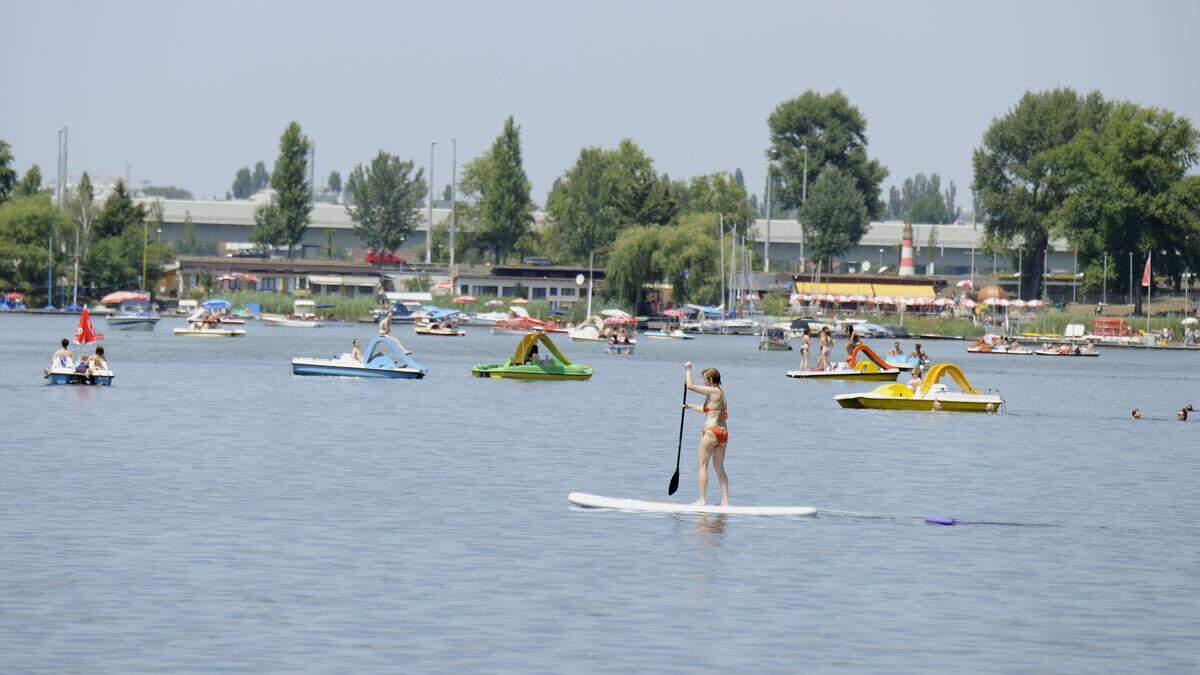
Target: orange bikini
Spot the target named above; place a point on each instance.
(719, 433)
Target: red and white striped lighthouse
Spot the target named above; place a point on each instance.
(907, 268)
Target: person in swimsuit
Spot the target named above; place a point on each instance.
(896, 350)
(805, 341)
(825, 346)
(356, 351)
(715, 435)
(95, 364)
(385, 324)
(63, 358)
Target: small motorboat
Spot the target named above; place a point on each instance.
(774, 340)
(385, 358)
(303, 316)
(525, 363)
(853, 368)
(994, 344)
(443, 329)
(896, 396)
(133, 315)
(664, 334)
(209, 331)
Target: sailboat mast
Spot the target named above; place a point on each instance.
(591, 273)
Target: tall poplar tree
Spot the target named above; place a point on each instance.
(505, 205)
(293, 197)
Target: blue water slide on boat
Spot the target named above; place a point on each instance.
(905, 362)
(385, 358)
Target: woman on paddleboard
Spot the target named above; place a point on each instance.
(715, 435)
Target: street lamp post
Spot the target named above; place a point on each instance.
(803, 200)
(880, 260)
(453, 200)
(1020, 270)
(429, 225)
(767, 245)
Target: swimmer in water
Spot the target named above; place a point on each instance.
(1136, 414)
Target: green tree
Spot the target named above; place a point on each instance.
(505, 207)
(631, 264)
(1025, 170)
(31, 183)
(8, 175)
(268, 230)
(928, 208)
(1130, 193)
(386, 198)
(26, 225)
(688, 257)
(835, 216)
(334, 182)
(243, 184)
(188, 243)
(81, 205)
(293, 197)
(585, 204)
(167, 192)
(721, 194)
(835, 133)
(118, 213)
(261, 178)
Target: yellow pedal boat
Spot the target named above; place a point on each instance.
(525, 364)
(872, 368)
(896, 396)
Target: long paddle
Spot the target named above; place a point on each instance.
(679, 450)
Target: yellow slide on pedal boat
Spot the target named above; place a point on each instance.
(896, 396)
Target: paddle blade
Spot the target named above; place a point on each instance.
(674, 483)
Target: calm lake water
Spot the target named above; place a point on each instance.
(212, 512)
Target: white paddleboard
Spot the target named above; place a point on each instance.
(598, 502)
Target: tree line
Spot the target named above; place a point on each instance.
(107, 240)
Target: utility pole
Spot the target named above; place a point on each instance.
(453, 200)
(429, 225)
(1104, 282)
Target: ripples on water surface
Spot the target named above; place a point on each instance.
(213, 512)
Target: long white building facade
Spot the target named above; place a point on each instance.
(939, 249)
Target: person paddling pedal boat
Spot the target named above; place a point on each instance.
(715, 435)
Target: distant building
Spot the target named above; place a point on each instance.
(555, 284)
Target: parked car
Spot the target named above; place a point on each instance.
(537, 260)
(248, 253)
(387, 258)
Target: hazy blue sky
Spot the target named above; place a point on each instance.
(186, 92)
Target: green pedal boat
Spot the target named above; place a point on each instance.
(526, 363)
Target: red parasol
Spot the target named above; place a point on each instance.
(122, 296)
(674, 312)
(466, 298)
(494, 303)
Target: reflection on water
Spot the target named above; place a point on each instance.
(212, 512)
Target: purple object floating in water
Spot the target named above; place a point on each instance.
(941, 520)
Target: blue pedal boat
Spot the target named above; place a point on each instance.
(385, 357)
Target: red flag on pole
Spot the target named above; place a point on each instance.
(84, 333)
(1146, 272)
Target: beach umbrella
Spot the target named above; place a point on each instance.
(226, 277)
(966, 283)
(943, 302)
(619, 320)
(14, 296)
(1190, 321)
(843, 298)
(217, 304)
(884, 300)
(967, 302)
(250, 277)
(465, 298)
(84, 333)
(674, 312)
(613, 312)
(122, 296)
(858, 297)
(520, 301)
(923, 301)
(494, 303)
(1034, 304)
(1016, 302)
